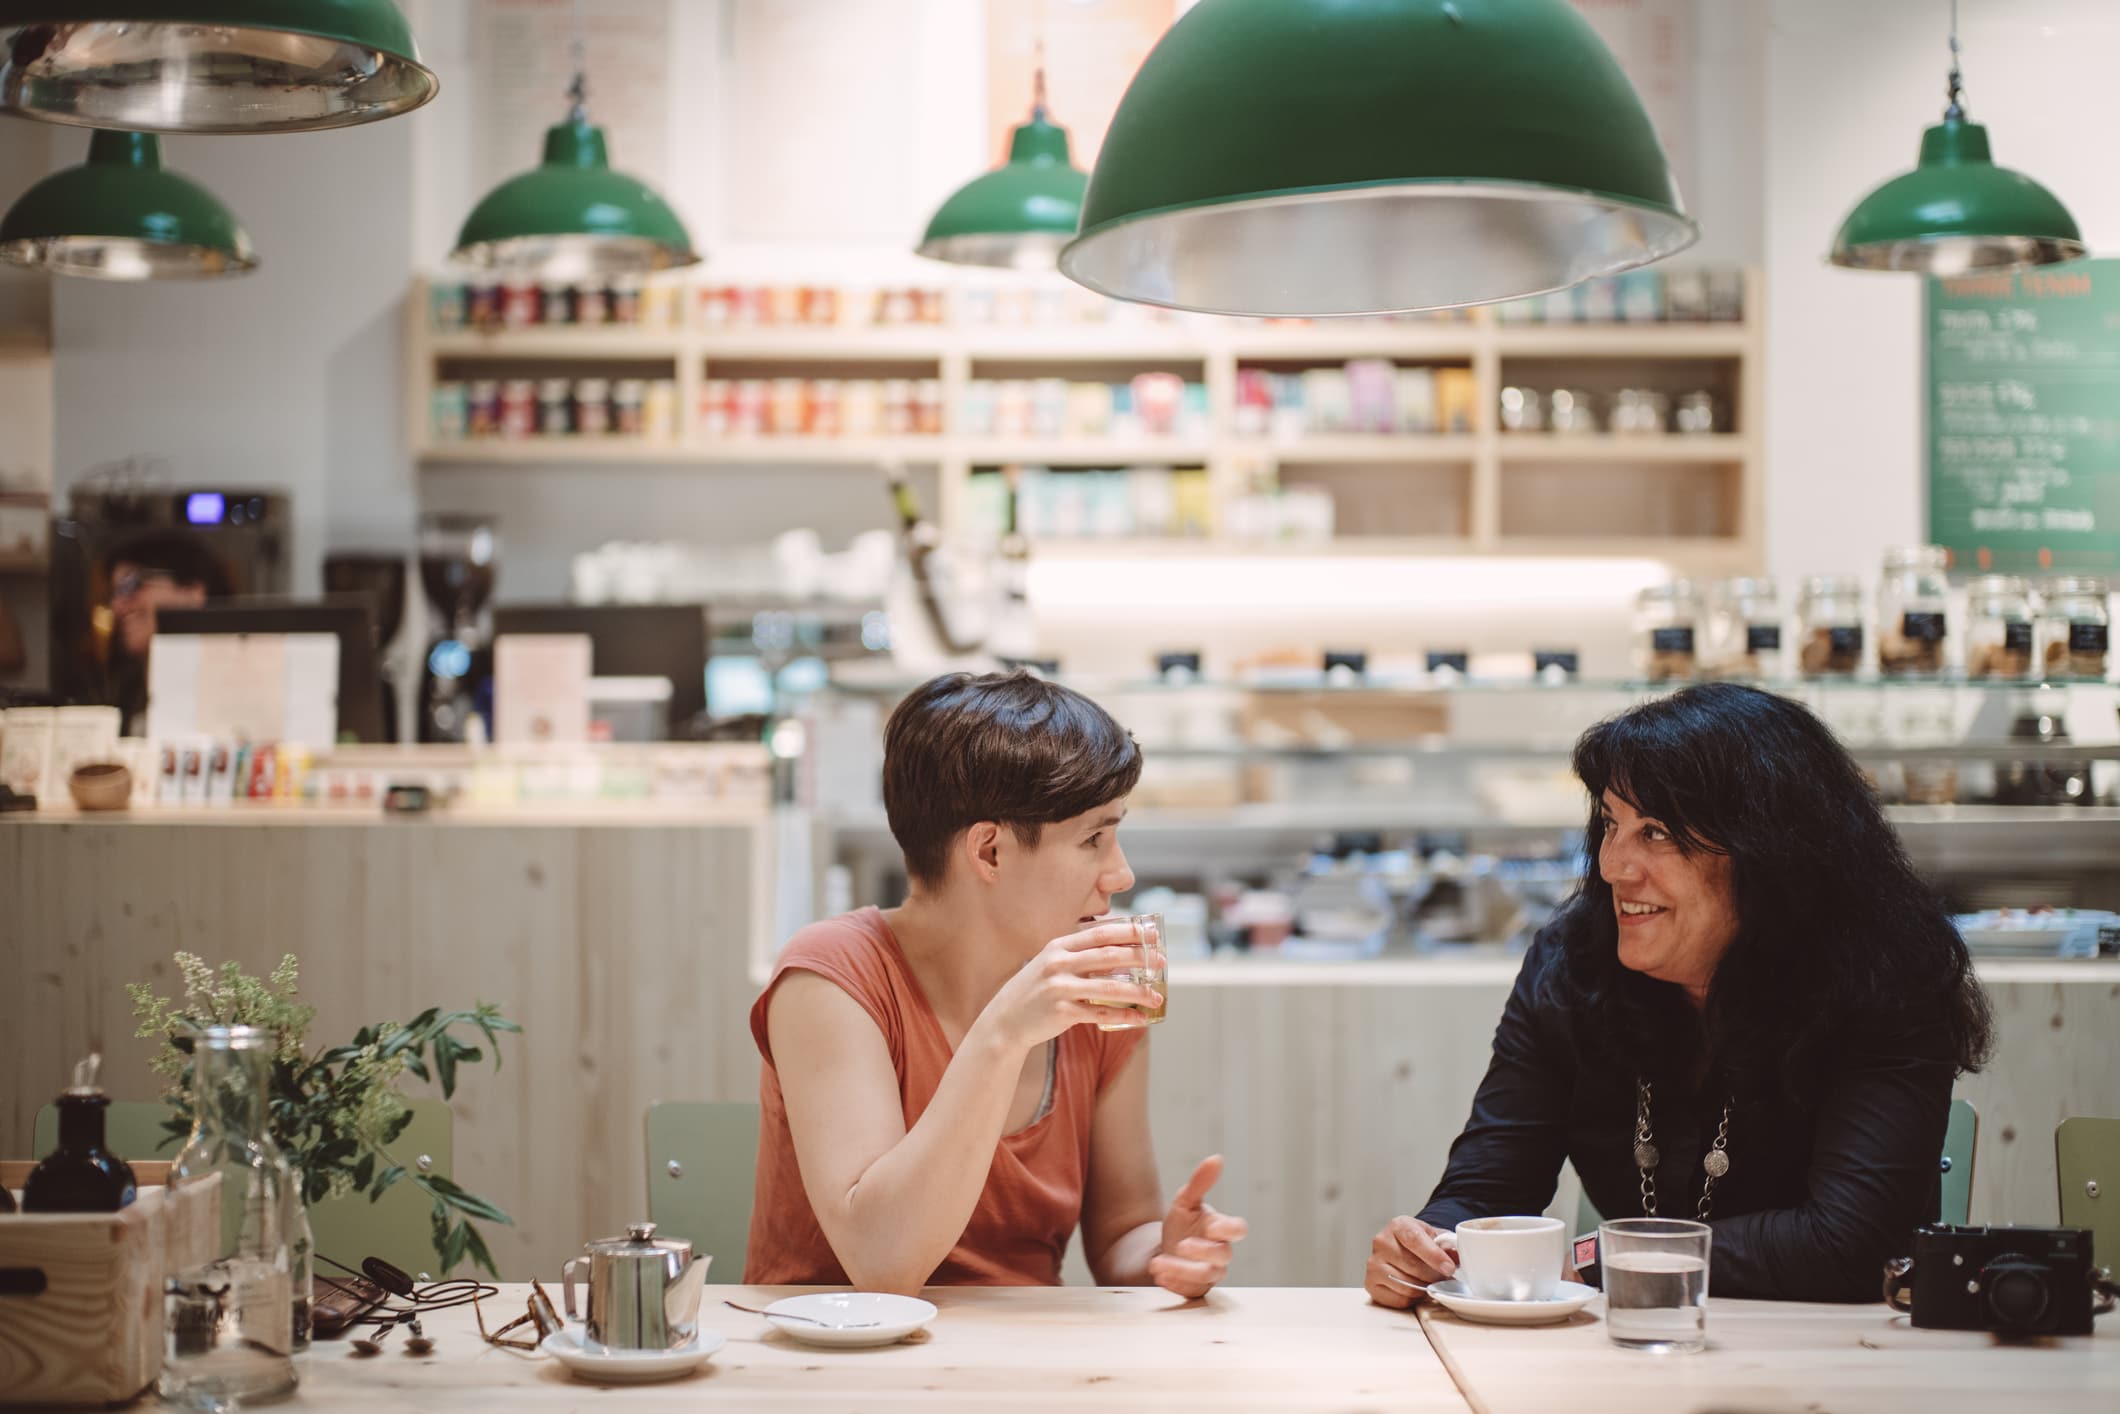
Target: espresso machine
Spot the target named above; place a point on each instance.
(459, 557)
(381, 578)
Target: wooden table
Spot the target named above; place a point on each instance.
(1018, 1348)
(1778, 1356)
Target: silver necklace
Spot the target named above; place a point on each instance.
(1714, 1164)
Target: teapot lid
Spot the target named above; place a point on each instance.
(640, 1241)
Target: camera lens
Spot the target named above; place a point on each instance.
(2017, 1293)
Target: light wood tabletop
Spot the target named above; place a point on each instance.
(1018, 1348)
(1777, 1356)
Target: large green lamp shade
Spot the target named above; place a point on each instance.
(573, 217)
(209, 66)
(1957, 212)
(1020, 214)
(119, 216)
(1316, 157)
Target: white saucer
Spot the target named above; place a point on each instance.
(851, 1312)
(1569, 1297)
(591, 1361)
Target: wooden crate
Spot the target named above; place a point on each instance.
(93, 1333)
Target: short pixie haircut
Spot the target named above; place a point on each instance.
(1011, 748)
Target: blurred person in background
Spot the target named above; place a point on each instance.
(149, 572)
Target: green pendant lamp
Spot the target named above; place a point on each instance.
(1318, 157)
(119, 216)
(573, 217)
(209, 66)
(1020, 214)
(1957, 211)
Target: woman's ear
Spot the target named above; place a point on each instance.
(982, 851)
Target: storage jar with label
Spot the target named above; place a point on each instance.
(1829, 626)
(1913, 612)
(1745, 633)
(1666, 629)
(1999, 621)
(2077, 628)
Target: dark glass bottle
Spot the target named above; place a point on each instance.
(80, 1176)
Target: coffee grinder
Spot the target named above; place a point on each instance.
(458, 564)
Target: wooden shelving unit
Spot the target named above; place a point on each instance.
(1523, 493)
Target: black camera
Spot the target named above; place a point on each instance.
(2010, 1280)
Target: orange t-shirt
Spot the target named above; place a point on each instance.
(1032, 1202)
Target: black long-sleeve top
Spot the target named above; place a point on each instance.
(1819, 1193)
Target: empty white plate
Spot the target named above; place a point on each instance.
(586, 1358)
(1568, 1298)
(850, 1318)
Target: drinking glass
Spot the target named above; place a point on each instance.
(1149, 971)
(1656, 1282)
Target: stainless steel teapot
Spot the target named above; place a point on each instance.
(643, 1290)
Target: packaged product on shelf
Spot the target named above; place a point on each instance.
(861, 407)
(629, 406)
(485, 407)
(930, 306)
(1666, 629)
(1599, 301)
(986, 506)
(555, 407)
(975, 305)
(1254, 403)
(1913, 611)
(1641, 296)
(519, 302)
(1158, 398)
(1686, 296)
(1125, 424)
(2077, 628)
(661, 304)
(1456, 399)
(1196, 416)
(1110, 497)
(1194, 500)
(1290, 418)
(1048, 407)
(448, 307)
(784, 410)
(1154, 490)
(823, 305)
(898, 410)
(716, 306)
(1089, 409)
(1829, 625)
(482, 304)
(827, 399)
(625, 300)
(748, 406)
(592, 304)
(783, 305)
(1726, 295)
(451, 411)
(555, 303)
(1413, 393)
(1372, 389)
(518, 407)
(592, 407)
(715, 411)
(1328, 404)
(1067, 504)
(659, 417)
(2000, 627)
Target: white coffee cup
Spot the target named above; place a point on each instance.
(1511, 1259)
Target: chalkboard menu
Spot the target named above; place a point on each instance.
(2024, 418)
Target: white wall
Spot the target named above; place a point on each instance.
(1849, 89)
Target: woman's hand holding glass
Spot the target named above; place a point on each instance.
(1068, 984)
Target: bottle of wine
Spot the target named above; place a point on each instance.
(80, 1176)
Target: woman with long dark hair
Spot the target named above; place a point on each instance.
(1752, 976)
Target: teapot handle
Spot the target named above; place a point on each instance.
(566, 1277)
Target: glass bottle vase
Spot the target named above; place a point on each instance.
(228, 1323)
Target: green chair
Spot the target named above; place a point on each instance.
(398, 1227)
(702, 1161)
(1959, 1138)
(2087, 1169)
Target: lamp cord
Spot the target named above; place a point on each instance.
(1038, 81)
(578, 91)
(1955, 107)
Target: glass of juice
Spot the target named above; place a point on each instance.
(1149, 971)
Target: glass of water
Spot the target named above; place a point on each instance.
(1656, 1282)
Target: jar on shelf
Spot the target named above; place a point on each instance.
(1639, 410)
(1523, 410)
(1913, 612)
(1666, 630)
(1829, 626)
(1571, 411)
(1745, 630)
(2076, 628)
(1696, 412)
(1999, 623)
